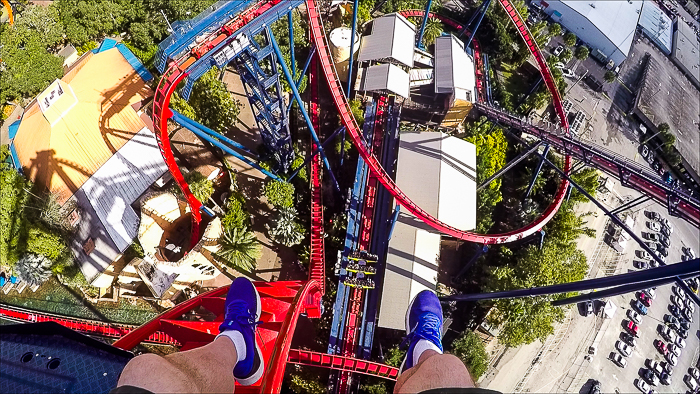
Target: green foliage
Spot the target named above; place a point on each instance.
(146, 55)
(376, 388)
(306, 384)
(44, 241)
(524, 320)
(609, 76)
(43, 21)
(236, 215)
(29, 67)
(570, 39)
(663, 127)
(86, 47)
(358, 112)
(299, 159)
(14, 198)
(212, 102)
(433, 30)
(554, 29)
(279, 193)
(582, 52)
(394, 357)
(201, 187)
(469, 348)
(180, 105)
(33, 269)
(280, 29)
(285, 229)
(239, 249)
(491, 147)
(566, 55)
(588, 179)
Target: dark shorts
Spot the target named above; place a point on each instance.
(139, 390)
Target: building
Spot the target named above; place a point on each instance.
(606, 26)
(656, 25)
(385, 78)
(686, 52)
(86, 139)
(455, 79)
(438, 173)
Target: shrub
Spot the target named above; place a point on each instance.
(472, 352)
(201, 187)
(239, 249)
(285, 229)
(570, 39)
(33, 269)
(42, 241)
(609, 76)
(279, 193)
(236, 215)
(582, 52)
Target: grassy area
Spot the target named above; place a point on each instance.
(54, 297)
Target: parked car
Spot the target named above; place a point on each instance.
(665, 379)
(650, 377)
(660, 346)
(672, 359)
(687, 314)
(640, 308)
(654, 226)
(661, 251)
(694, 373)
(667, 333)
(653, 263)
(628, 339)
(651, 245)
(674, 349)
(677, 301)
(665, 231)
(595, 388)
(558, 50)
(642, 254)
(651, 293)
(639, 264)
(618, 360)
(632, 328)
(653, 215)
(679, 292)
(683, 325)
(650, 236)
(645, 151)
(680, 342)
(623, 348)
(690, 305)
(688, 251)
(642, 386)
(654, 366)
(664, 240)
(568, 73)
(691, 382)
(589, 308)
(634, 316)
(671, 321)
(682, 333)
(675, 311)
(665, 223)
(645, 299)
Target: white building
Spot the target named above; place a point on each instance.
(606, 26)
(454, 78)
(656, 25)
(391, 39)
(438, 173)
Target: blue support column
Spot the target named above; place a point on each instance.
(394, 218)
(312, 52)
(290, 19)
(481, 17)
(305, 114)
(419, 43)
(536, 174)
(352, 46)
(542, 233)
(480, 252)
(308, 159)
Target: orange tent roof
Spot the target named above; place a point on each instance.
(60, 144)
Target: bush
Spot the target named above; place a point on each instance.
(472, 352)
(201, 187)
(284, 229)
(42, 241)
(357, 111)
(570, 39)
(236, 215)
(609, 77)
(582, 52)
(12, 202)
(566, 55)
(279, 193)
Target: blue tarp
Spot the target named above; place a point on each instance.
(13, 129)
(107, 43)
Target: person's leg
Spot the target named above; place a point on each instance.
(233, 356)
(425, 367)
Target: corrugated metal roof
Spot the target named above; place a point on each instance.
(454, 69)
(386, 77)
(392, 37)
(438, 172)
(657, 26)
(617, 20)
(64, 156)
(120, 181)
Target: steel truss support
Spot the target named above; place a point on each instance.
(510, 165)
(536, 173)
(304, 113)
(290, 20)
(641, 280)
(630, 204)
(419, 42)
(312, 52)
(313, 154)
(480, 252)
(485, 6)
(479, 12)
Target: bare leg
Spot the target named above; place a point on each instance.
(442, 371)
(207, 369)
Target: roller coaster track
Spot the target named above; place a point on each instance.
(317, 265)
(350, 124)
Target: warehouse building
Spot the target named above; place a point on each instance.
(606, 26)
(686, 52)
(656, 25)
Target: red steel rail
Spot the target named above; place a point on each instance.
(318, 35)
(332, 361)
(317, 262)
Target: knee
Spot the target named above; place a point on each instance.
(141, 367)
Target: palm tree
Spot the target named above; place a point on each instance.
(239, 249)
(433, 30)
(285, 230)
(33, 269)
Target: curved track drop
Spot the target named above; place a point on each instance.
(349, 122)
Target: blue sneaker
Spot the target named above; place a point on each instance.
(242, 315)
(423, 321)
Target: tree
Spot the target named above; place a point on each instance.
(588, 180)
(357, 111)
(42, 20)
(14, 198)
(554, 29)
(582, 52)
(663, 127)
(609, 76)
(566, 55)
(279, 193)
(212, 102)
(523, 320)
(240, 249)
(469, 348)
(45, 242)
(570, 39)
(33, 269)
(433, 30)
(284, 229)
(236, 216)
(201, 187)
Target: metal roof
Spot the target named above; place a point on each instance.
(657, 26)
(392, 37)
(120, 182)
(685, 50)
(438, 172)
(386, 77)
(454, 69)
(617, 20)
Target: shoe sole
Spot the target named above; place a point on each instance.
(261, 368)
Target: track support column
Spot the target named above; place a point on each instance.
(536, 174)
(419, 43)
